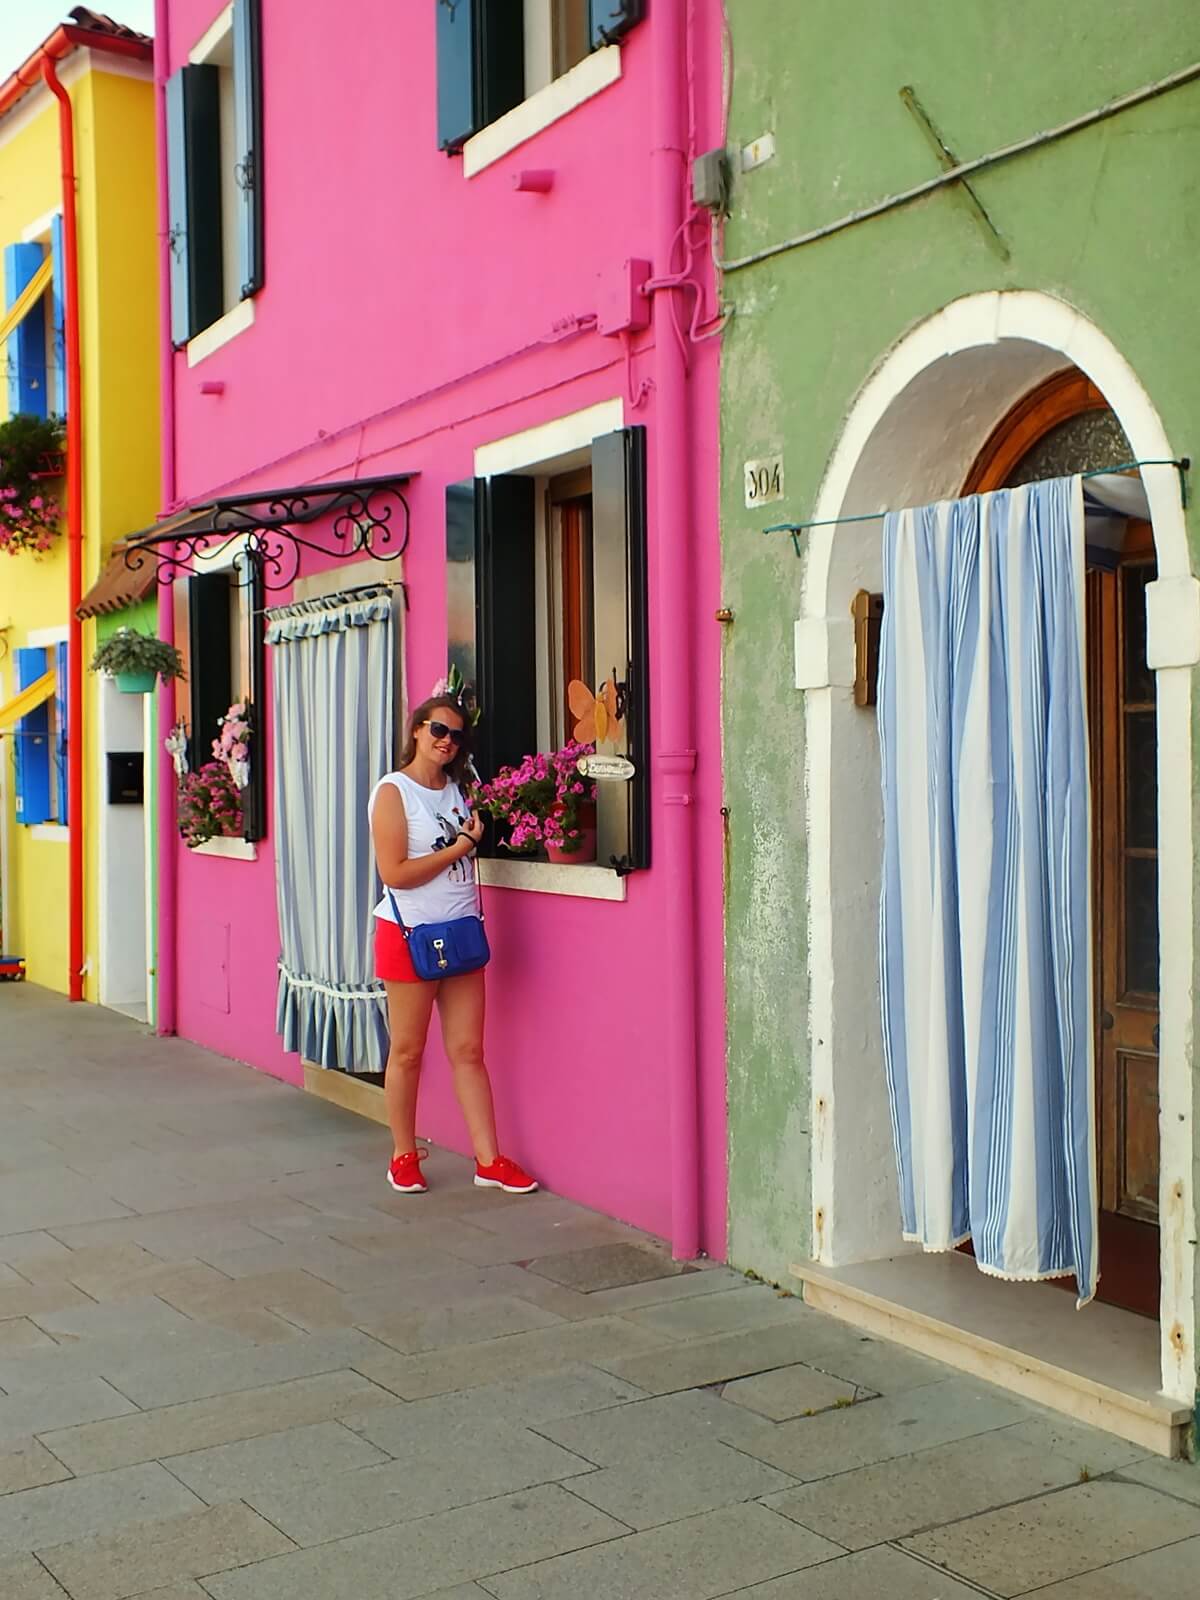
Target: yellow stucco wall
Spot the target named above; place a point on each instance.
(117, 225)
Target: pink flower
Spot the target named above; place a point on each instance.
(37, 502)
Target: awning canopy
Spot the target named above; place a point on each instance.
(362, 517)
(28, 700)
(118, 586)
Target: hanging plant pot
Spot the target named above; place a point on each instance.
(135, 682)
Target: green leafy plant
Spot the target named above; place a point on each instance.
(30, 454)
(130, 651)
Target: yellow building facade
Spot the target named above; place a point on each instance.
(109, 79)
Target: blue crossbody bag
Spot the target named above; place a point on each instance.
(445, 949)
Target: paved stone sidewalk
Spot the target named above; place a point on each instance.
(234, 1366)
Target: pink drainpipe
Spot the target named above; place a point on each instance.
(673, 724)
(168, 849)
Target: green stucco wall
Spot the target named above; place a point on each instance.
(1105, 220)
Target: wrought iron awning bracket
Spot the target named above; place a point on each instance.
(369, 517)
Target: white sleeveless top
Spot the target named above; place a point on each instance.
(434, 818)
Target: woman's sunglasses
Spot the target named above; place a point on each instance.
(439, 730)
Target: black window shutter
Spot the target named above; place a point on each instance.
(480, 65)
(609, 20)
(199, 172)
(253, 598)
(247, 76)
(506, 621)
(210, 641)
(619, 561)
(177, 210)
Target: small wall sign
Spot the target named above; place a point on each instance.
(764, 481)
(606, 769)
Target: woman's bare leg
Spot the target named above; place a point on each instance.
(409, 1008)
(461, 1007)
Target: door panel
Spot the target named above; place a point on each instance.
(1124, 740)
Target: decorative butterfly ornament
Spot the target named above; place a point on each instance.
(597, 715)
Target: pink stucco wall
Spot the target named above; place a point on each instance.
(398, 295)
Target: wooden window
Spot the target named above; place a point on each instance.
(219, 633)
(491, 54)
(587, 606)
(215, 177)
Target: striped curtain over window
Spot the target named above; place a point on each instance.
(985, 932)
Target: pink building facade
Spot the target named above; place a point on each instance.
(381, 306)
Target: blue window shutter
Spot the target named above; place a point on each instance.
(33, 743)
(609, 20)
(27, 342)
(247, 85)
(457, 101)
(58, 299)
(181, 317)
(60, 726)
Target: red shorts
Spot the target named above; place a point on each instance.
(393, 964)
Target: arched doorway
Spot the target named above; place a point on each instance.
(914, 434)
(1065, 425)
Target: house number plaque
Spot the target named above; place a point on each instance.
(606, 769)
(764, 481)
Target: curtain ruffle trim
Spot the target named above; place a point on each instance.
(329, 613)
(336, 1025)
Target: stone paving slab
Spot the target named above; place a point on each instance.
(24, 1578)
(18, 1333)
(306, 1455)
(401, 1562)
(224, 1419)
(789, 1392)
(891, 1499)
(146, 1559)
(879, 1574)
(1045, 1540)
(103, 1503)
(60, 1406)
(735, 1311)
(692, 1560)
(668, 1487)
(1167, 1572)
(606, 1266)
(877, 1430)
(478, 1464)
(643, 1429)
(27, 1464)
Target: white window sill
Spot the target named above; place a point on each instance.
(587, 881)
(231, 849)
(588, 77)
(221, 331)
(50, 832)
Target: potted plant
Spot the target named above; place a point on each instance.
(136, 659)
(544, 800)
(31, 450)
(209, 805)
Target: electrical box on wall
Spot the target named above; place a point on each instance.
(621, 306)
(126, 777)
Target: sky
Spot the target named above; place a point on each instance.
(25, 23)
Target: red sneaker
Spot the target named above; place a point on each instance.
(504, 1174)
(404, 1173)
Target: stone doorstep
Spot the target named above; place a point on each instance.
(1098, 1366)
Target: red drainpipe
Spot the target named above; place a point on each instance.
(66, 138)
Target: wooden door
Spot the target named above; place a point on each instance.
(1124, 755)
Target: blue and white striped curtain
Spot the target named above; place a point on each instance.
(985, 930)
(334, 677)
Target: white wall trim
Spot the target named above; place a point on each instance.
(37, 230)
(40, 638)
(212, 38)
(544, 107)
(539, 446)
(585, 881)
(230, 849)
(49, 832)
(220, 332)
(1028, 333)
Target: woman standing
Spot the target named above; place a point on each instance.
(425, 836)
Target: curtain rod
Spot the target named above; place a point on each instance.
(1180, 463)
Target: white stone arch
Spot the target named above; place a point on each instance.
(911, 437)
